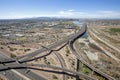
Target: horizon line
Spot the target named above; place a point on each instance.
(52, 17)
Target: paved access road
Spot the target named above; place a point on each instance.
(18, 74)
(28, 56)
(73, 49)
(46, 68)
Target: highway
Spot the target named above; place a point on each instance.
(46, 68)
(62, 62)
(24, 61)
(71, 46)
(10, 75)
(17, 74)
(49, 48)
(70, 39)
(60, 58)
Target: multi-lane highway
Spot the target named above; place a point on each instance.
(62, 62)
(17, 74)
(46, 68)
(60, 58)
(71, 45)
(54, 45)
(50, 48)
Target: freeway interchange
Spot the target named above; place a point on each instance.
(19, 63)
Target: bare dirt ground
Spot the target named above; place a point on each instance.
(108, 45)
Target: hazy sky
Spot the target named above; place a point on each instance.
(59, 8)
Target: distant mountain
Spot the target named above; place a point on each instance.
(39, 18)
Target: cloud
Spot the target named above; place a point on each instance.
(71, 13)
(95, 14)
(66, 13)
